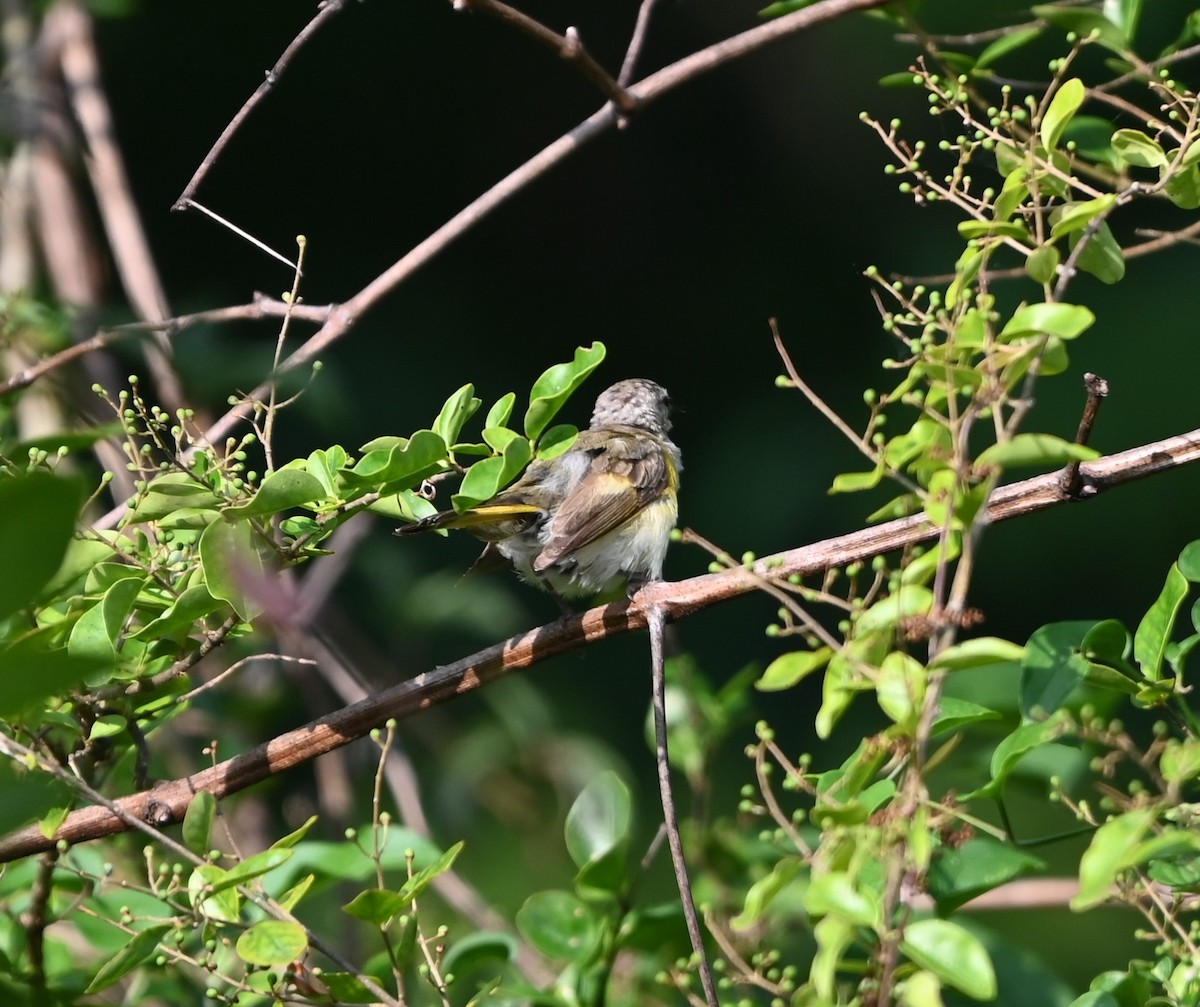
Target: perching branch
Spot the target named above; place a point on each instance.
(167, 802)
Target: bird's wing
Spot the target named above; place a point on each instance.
(626, 474)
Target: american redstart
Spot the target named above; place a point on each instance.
(595, 517)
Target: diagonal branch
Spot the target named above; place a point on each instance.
(326, 10)
(167, 802)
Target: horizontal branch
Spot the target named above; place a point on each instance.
(167, 802)
(261, 307)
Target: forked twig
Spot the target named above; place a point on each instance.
(568, 45)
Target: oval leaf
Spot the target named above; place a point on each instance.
(272, 942)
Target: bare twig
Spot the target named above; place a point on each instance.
(262, 307)
(568, 45)
(1097, 389)
(168, 801)
(820, 405)
(262, 246)
(636, 42)
(657, 624)
(326, 10)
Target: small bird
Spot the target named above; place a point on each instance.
(595, 517)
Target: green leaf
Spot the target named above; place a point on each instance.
(278, 492)
(400, 464)
(1101, 257)
(1053, 666)
(292, 838)
(1042, 264)
(953, 954)
(1183, 187)
(906, 602)
(170, 493)
(197, 822)
(856, 482)
(347, 988)
(459, 408)
(599, 819)
(1008, 42)
(486, 478)
(483, 949)
(183, 615)
(251, 868)
(140, 947)
(764, 891)
(324, 466)
(976, 653)
(559, 925)
(833, 936)
(1012, 750)
(1082, 21)
(272, 943)
(842, 894)
(1063, 320)
(557, 440)
(1189, 562)
(1034, 449)
(555, 386)
(1125, 14)
(1063, 106)
(378, 906)
(39, 511)
(960, 874)
(224, 906)
(900, 688)
(1107, 856)
(96, 633)
(291, 898)
(231, 564)
(970, 229)
(1075, 216)
(1153, 634)
(415, 886)
(499, 413)
(788, 669)
(1136, 148)
(108, 726)
(954, 713)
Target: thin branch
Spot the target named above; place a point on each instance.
(637, 42)
(1097, 390)
(569, 46)
(656, 619)
(840, 424)
(262, 307)
(325, 11)
(168, 801)
(262, 246)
